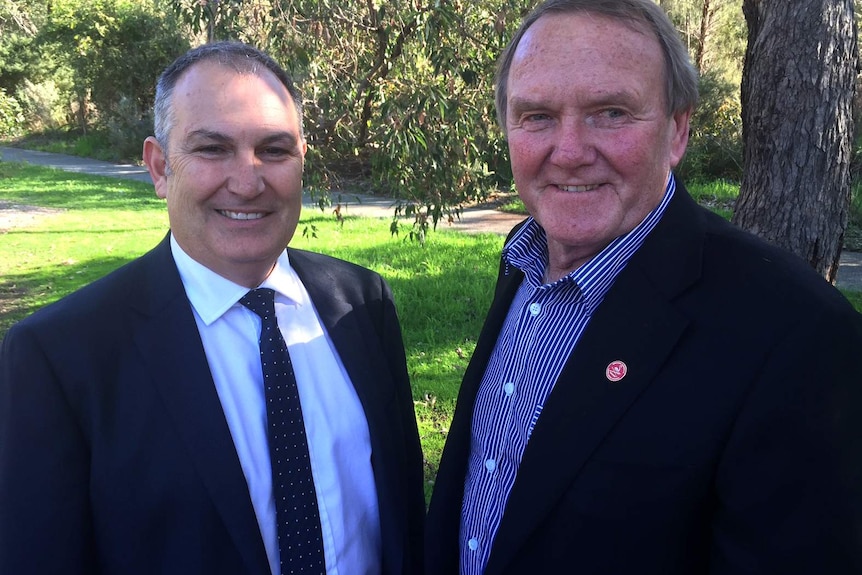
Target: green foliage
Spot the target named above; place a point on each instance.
(853, 233)
(715, 142)
(218, 19)
(19, 61)
(115, 50)
(126, 129)
(11, 116)
(43, 103)
(19, 23)
(22, 66)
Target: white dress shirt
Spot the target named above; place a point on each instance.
(338, 439)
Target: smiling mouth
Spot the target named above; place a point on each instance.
(241, 215)
(578, 188)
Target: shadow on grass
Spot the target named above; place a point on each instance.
(23, 293)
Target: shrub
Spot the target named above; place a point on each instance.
(43, 106)
(715, 143)
(11, 116)
(126, 129)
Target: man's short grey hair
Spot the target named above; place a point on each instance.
(239, 57)
(641, 15)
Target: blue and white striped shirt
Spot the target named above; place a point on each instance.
(541, 329)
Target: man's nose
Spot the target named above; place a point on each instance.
(573, 144)
(245, 178)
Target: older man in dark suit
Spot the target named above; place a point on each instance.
(137, 427)
(654, 391)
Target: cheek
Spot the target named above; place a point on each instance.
(633, 155)
(524, 155)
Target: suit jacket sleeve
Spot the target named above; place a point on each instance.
(43, 498)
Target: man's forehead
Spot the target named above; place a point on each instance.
(205, 70)
(207, 81)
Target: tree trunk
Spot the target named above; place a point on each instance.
(706, 14)
(797, 126)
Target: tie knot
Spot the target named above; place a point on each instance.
(261, 301)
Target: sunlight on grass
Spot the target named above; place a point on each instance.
(719, 196)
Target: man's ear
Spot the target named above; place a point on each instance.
(157, 164)
(679, 135)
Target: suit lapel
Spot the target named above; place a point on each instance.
(170, 345)
(636, 324)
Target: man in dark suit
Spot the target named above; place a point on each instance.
(654, 391)
(133, 415)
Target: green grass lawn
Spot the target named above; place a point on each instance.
(93, 225)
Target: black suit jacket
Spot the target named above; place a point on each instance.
(115, 455)
(732, 445)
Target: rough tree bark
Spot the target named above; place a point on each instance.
(797, 126)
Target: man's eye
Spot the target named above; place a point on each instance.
(611, 114)
(210, 149)
(537, 118)
(533, 122)
(608, 118)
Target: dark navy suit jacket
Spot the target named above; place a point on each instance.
(732, 445)
(115, 456)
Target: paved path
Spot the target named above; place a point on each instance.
(473, 220)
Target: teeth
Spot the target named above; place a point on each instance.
(241, 215)
(578, 188)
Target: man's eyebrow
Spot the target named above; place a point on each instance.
(519, 103)
(208, 135)
(220, 137)
(279, 136)
(606, 98)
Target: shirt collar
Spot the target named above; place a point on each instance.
(527, 250)
(211, 295)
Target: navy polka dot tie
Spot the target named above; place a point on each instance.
(299, 537)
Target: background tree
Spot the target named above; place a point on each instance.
(714, 31)
(19, 62)
(115, 49)
(797, 96)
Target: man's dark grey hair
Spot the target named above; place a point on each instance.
(640, 15)
(239, 57)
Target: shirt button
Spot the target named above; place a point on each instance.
(490, 465)
(473, 544)
(508, 388)
(535, 308)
